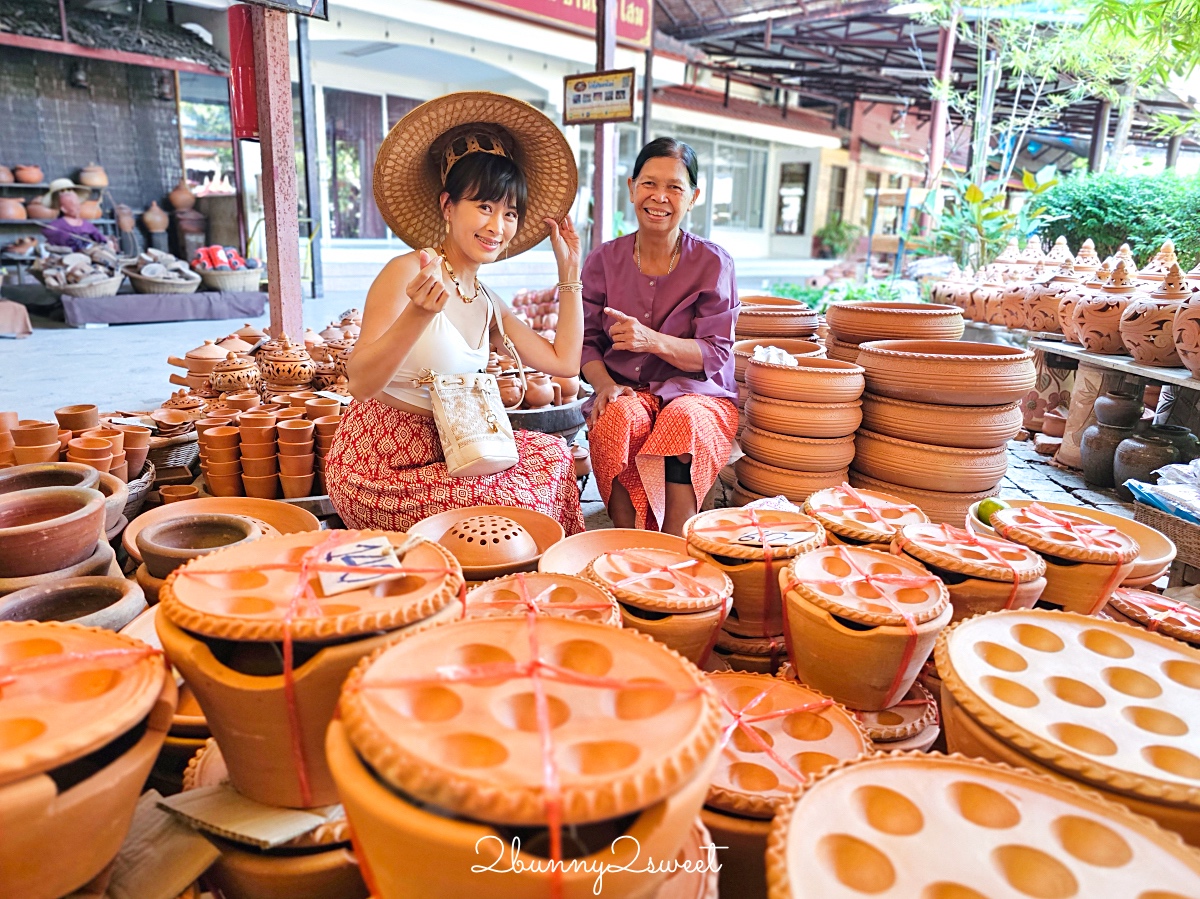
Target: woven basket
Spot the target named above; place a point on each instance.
(107, 288)
(142, 284)
(1184, 534)
(235, 282)
(179, 450)
(138, 488)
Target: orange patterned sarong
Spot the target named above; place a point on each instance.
(635, 433)
(386, 470)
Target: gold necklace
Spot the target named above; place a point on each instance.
(637, 253)
(454, 278)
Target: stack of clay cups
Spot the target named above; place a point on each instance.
(326, 426)
(118, 466)
(633, 731)
(778, 734)
(295, 457)
(800, 423)
(220, 459)
(743, 351)
(94, 451)
(731, 540)
(78, 418)
(259, 451)
(861, 623)
(137, 447)
(8, 421)
(33, 441)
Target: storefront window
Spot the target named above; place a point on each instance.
(207, 133)
(790, 217)
(837, 193)
(354, 131)
(738, 183)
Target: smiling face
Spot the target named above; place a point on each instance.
(662, 194)
(480, 229)
(68, 203)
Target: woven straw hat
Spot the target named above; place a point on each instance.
(408, 168)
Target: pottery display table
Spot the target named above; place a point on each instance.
(566, 420)
(140, 308)
(1178, 377)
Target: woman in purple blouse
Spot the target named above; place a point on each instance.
(659, 309)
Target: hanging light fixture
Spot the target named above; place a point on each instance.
(78, 76)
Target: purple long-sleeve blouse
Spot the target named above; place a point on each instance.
(697, 301)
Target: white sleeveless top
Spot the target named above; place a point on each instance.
(442, 350)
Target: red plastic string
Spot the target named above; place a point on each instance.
(1160, 609)
(694, 588)
(1091, 535)
(535, 605)
(952, 536)
(744, 723)
(10, 672)
(848, 491)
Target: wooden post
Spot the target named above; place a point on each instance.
(647, 96)
(1099, 136)
(602, 142)
(939, 115)
(308, 139)
(281, 225)
(1173, 147)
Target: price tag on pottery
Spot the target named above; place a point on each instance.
(598, 97)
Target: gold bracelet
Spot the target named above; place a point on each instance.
(571, 285)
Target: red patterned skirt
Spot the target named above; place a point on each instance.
(386, 470)
(633, 435)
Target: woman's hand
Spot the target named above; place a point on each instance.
(426, 290)
(604, 396)
(631, 335)
(564, 240)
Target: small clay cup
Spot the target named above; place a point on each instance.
(102, 464)
(326, 425)
(90, 448)
(322, 406)
(167, 544)
(264, 409)
(120, 472)
(206, 424)
(64, 437)
(221, 469)
(289, 413)
(259, 450)
(296, 466)
(29, 455)
(300, 397)
(257, 435)
(174, 493)
(112, 435)
(136, 436)
(242, 401)
(135, 458)
(34, 433)
(9, 420)
(296, 486)
(221, 454)
(79, 417)
(302, 448)
(222, 437)
(256, 420)
(324, 444)
(265, 487)
(260, 468)
(230, 485)
(295, 431)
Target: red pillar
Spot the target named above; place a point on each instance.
(602, 142)
(280, 198)
(939, 120)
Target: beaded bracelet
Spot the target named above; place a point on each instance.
(571, 285)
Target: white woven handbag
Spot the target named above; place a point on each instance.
(477, 438)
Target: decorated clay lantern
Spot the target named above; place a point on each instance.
(286, 367)
(1042, 300)
(1087, 261)
(1186, 333)
(1147, 324)
(861, 623)
(235, 374)
(1072, 297)
(1097, 315)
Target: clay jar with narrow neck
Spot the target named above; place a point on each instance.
(1097, 448)
(541, 391)
(1138, 456)
(1147, 324)
(1118, 410)
(1097, 316)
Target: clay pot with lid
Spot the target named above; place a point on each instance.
(75, 757)
(1071, 298)
(200, 360)
(1040, 307)
(492, 541)
(1097, 315)
(861, 624)
(13, 209)
(541, 391)
(1148, 322)
(674, 598)
(636, 761)
(1012, 301)
(1085, 560)
(286, 366)
(229, 653)
(235, 374)
(861, 517)
(731, 540)
(1086, 261)
(28, 174)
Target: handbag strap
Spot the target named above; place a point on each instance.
(497, 314)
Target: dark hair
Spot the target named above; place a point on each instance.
(672, 149)
(487, 178)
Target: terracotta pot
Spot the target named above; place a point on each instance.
(1042, 300)
(1138, 456)
(225, 485)
(769, 480)
(38, 208)
(90, 210)
(296, 466)
(1097, 447)
(952, 373)
(1119, 410)
(34, 433)
(261, 486)
(296, 486)
(1012, 304)
(1186, 334)
(166, 545)
(301, 448)
(510, 391)
(182, 197)
(1097, 315)
(100, 563)
(1067, 302)
(572, 555)
(928, 467)
(93, 176)
(813, 380)
(765, 320)
(295, 431)
(104, 602)
(863, 653)
(261, 450)
(568, 389)
(53, 474)
(743, 350)
(862, 517)
(969, 427)
(32, 455)
(532, 531)
(286, 365)
(79, 417)
(48, 528)
(541, 391)
(320, 406)
(859, 322)
(116, 496)
(806, 454)
(28, 174)
(233, 374)
(174, 493)
(803, 419)
(155, 220)
(6, 175)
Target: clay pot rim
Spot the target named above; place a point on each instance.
(916, 447)
(929, 310)
(918, 349)
(746, 347)
(1125, 599)
(621, 536)
(88, 476)
(77, 409)
(788, 303)
(911, 540)
(657, 603)
(119, 587)
(1002, 409)
(1036, 540)
(806, 441)
(714, 546)
(807, 364)
(147, 537)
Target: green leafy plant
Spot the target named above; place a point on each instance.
(838, 235)
(810, 296)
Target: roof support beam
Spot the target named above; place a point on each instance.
(66, 48)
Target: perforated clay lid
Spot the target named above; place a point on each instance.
(955, 549)
(1064, 534)
(484, 540)
(1159, 613)
(452, 717)
(864, 515)
(741, 533)
(926, 826)
(557, 595)
(907, 718)
(660, 580)
(67, 690)
(868, 586)
(778, 734)
(253, 591)
(1105, 702)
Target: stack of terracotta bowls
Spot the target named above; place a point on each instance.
(778, 735)
(750, 546)
(743, 352)
(119, 465)
(917, 825)
(676, 599)
(937, 417)
(625, 744)
(867, 518)
(259, 451)
(1091, 702)
(221, 460)
(296, 457)
(33, 441)
(765, 316)
(861, 623)
(84, 713)
(851, 324)
(800, 423)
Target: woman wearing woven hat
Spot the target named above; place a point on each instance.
(659, 309)
(70, 229)
(470, 178)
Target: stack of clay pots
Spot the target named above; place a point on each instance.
(937, 417)
(1091, 702)
(538, 309)
(30, 441)
(676, 599)
(458, 758)
(898, 825)
(852, 324)
(266, 662)
(737, 542)
(765, 316)
(743, 351)
(778, 735)
(84, 711)
(800, 422)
